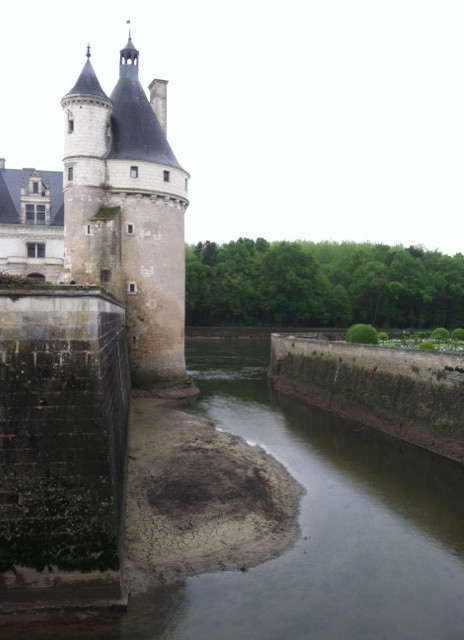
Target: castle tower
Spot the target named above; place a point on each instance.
(127, 232)
(87, 111)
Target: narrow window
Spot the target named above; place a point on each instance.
(40, 215)
(88, 230)
(132, 287)
(134, 172)
(40, 250)
(186, 184)
(105, 275)
(70, 174)
(30, 214)
(130, 229)
(70, 126)
(166, 176)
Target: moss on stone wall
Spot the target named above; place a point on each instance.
(422, 408)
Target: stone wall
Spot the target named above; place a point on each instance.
(64, 408)
(414, 395)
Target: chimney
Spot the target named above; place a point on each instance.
(2, 163)
(158, 100)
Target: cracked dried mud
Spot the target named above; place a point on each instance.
(200, 500)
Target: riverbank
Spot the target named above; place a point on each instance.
(200, 500)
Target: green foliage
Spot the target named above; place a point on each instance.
(382, 335)
(325, 284)
(458, 335)
(440, 334)
(427, 346)
(362, 334)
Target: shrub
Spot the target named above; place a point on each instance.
(424, 334)
(440, 334)
(458, 334)
(382, 335)
(362, 334)
(427, 346)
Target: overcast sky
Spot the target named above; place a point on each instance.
(313, 120)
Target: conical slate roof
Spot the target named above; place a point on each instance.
(87, 83)
(136, 132)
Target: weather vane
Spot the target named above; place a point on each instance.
(128, 22)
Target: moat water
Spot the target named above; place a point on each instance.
(381, 553)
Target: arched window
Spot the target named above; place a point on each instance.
(36, 276)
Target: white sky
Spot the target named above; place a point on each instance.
(305, 119)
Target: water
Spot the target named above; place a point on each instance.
(381, 555)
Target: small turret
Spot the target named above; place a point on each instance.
(129, 60)
(87, 111)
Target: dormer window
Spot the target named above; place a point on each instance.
(35, 187)
(35, 214)
(134, 172)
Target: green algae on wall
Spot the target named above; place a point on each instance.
(64, 408)
(415, 396)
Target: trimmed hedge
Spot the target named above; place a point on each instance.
(362, 334)
(457, 334)
(440, 334)
(427, 346)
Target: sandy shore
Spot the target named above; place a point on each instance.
(199, 500)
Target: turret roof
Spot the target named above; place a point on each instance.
(87, 83)
(136, 131)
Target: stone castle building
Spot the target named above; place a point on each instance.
(122, 202)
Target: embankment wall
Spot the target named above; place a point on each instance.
(64, 411)
(414, 395)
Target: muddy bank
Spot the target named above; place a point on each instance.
(199, 500)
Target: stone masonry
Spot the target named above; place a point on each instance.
(64, 412)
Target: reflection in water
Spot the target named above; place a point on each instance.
(412, 482)
(382, 549)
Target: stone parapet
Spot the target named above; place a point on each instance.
(64, 410)
(410, 394)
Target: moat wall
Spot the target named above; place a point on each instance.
(64, 410)
(413, 395)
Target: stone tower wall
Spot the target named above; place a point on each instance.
(92, 242)
(155, 285)
(90, 118)
(150, 179)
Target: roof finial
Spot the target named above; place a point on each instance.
(128, 22)
(88, 51)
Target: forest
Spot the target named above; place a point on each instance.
(256, 283)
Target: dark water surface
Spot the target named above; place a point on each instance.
(381, 555)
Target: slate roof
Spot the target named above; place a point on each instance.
(136, 131)
(11, 181)
(87, 83)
